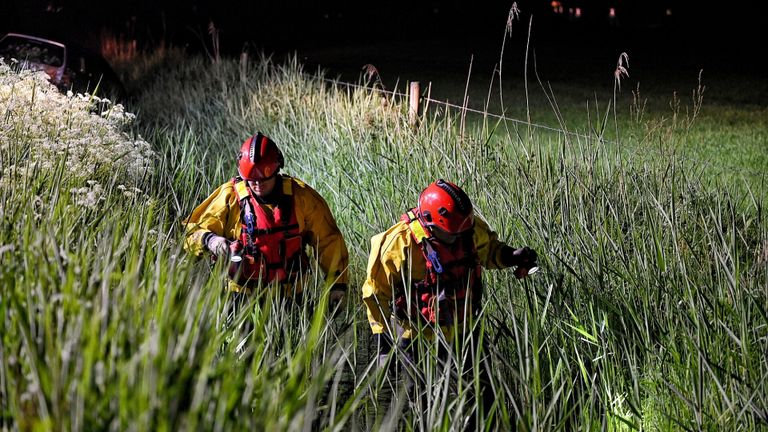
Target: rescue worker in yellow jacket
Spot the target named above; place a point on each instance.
(262, 221)
(438, 248)
(425, 271)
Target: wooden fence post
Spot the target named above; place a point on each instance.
(413, 104)
(243, 65)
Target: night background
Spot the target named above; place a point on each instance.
(404, 39)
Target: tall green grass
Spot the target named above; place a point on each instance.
(649, 312)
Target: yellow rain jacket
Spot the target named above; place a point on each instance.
(396, 259)
(220, 214)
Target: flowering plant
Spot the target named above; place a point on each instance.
(41, 128)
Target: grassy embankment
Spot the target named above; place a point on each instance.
(649, 313)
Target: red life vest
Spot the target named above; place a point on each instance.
(270, 243)
(452, 282)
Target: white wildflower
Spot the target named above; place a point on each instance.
(6, 248)
(88, 196)
(82, 131)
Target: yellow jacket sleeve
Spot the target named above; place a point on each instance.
(488, 245)
(321, 232)
(218, 214)
(387, 268)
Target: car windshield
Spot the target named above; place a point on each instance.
(31, 51)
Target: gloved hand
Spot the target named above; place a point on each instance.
(526, 261)
(217, 245)
(525, 256)
(336, 297)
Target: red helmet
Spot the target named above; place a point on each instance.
(259, 159)
(445, 206)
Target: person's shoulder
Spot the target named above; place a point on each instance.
(482, 230)
(300, 189)
(296, 184)
(223, 188)
(228, 187)
(225, 191)
(397, 232)
(398, 227)
(293, 179)
(390, 245)
(479, 222)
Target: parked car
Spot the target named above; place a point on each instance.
(69, 66)
(36, 53)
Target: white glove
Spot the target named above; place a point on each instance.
(218, 245)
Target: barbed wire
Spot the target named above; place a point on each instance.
(721, 167)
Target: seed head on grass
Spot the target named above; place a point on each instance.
(371, 75)
(514, 14)
(214, 33)
(621, 70)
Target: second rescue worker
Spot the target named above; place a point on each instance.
(440, 248)
(425, 275)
